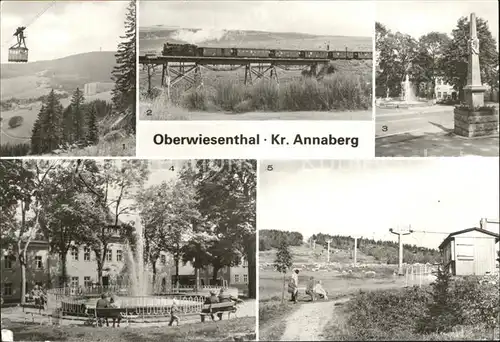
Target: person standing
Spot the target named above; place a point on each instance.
(293, 285)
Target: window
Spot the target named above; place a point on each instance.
(236, 278)
(109, 255)
(74, 253)
(445, 94)
(245, 262)
(74, 281)
(439, 95)
(86, 254)
(7, 289)
(245, 278)
(163, 259)
(8, 261)
(87, 282)
(119, 255)
(38, 262)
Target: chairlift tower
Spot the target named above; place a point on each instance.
(400, 233)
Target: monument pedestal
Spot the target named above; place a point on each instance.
(476, 122)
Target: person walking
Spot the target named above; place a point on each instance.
(174, 313)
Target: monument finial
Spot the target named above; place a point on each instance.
(473, 30)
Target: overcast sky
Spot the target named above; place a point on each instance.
(417, 18)
(66, 28)
(433, 195)
(349, 18)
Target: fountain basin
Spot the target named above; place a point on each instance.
(403, 104)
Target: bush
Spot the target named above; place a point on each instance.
(386, 314)
(468, 304)
(15, 121)
(196, 99)
(229, 94)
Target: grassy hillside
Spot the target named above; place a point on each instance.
(151, 39)
(37, 78)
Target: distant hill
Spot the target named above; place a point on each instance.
(384, 252)
(65, 73)
(151, 39)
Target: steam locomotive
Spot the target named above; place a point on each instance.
(170, 49)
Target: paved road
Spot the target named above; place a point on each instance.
(418, 120)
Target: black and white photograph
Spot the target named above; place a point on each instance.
(256, 60)
(68, 78)
(436, 78)
(379, 250)
(128, 250)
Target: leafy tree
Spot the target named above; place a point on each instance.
(196, 249)
(455, 59)
(92, 129)
(61, 218)
(429, 59)
(22, 184)
(167, 212)
(226, 195)
(124, 73)
(112, 185)
(283, 263)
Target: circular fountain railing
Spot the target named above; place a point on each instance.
(81, 301)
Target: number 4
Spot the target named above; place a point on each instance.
(172, 168)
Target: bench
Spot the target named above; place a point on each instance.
(218, 309)
(94, 315)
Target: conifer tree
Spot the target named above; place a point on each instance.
(36, 134)
(124, 73)
(67, 125)
(92, 130)
(48, 126)
(78, 116)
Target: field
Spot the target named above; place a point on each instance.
(342, 86)
(210, 331)
(370, 301)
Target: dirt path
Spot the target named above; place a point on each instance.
(309, 321)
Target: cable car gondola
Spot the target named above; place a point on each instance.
(19, 52)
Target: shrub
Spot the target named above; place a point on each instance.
(15, 121)
(385, 314)
(228, 94)
(196, 99)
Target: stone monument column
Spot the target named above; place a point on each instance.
(474, 119)
(474, 90)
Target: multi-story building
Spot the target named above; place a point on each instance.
(44, 269)
(443, 90)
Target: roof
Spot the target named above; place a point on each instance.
(484, 231)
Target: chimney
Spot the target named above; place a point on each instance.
(483, 223)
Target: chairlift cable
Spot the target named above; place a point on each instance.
(33, 20)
